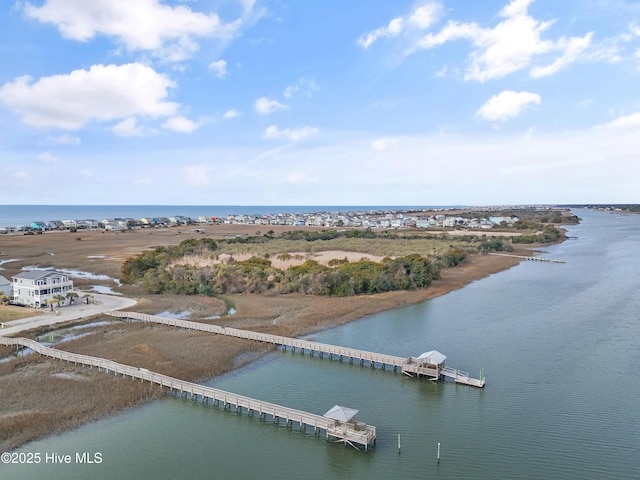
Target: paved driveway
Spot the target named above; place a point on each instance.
(101, 303)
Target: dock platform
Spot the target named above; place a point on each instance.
(349, 432)
(409, 366)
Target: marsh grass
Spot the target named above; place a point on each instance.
(395, 247)
(41, 397)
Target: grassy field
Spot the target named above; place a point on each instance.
(9, 313)
(374, 246)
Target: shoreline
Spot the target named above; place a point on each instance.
(157, 347)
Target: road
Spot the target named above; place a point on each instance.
(100, 304)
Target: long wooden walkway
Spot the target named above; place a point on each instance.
(533, 259)
(406, 365)
(353, 433)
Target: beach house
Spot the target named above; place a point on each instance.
(34, 288)
(38, 226)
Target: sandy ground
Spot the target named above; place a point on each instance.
(282, 262)
(71, 391)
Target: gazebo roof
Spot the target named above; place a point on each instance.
(344, 414)
(433, 357)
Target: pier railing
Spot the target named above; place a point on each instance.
(522, 257)
(345, 432)
(408, 366)
(322, 348)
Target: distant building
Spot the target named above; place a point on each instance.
(179, 220)
(114, 223)
(38, 226)
(508, 220)
(149, 221)
(35, 287)
(70, 224)
(426, 223)
(55, 225)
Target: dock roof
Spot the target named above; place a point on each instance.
(433, 357)
(343, 414)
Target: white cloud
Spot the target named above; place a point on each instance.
(383, 144)
(232, 113)
(625, 122)
(196, 176)
(167, 31)
(511, 45)
(306, 86)
(426, 15)
(180, 67)
(442, 72)
(393, 29)
(102, 93)
(49, 157)
(572, 49)
(180, 124)
(219, 68)
(129, 128)
(421, 18)
(501, 50)
(266, 106)
(291, 134)
(65, 139)
(507, 104)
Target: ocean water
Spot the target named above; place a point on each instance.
(17, 215)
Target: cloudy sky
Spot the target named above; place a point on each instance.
(319, 102)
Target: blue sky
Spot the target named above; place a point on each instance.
(276, 102)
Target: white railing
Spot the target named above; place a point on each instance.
(267, 338)
(451, 372)
(407, 365)
(240, 401)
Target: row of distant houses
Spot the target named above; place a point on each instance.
(322, 219)
(36, 288)
(108, 223)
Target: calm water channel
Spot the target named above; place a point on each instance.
(560, 344)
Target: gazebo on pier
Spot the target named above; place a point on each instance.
(428, 364)
(343, 427)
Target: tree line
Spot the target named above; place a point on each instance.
(160, 271)
(163, 269)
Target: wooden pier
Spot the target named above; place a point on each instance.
(533, 259)
(409, 366)
(348, 432)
